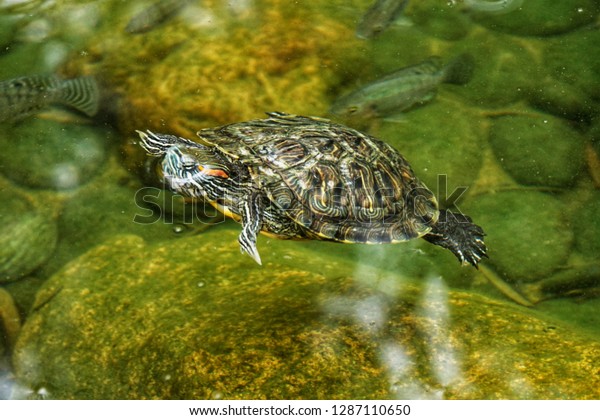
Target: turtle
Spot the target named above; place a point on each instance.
(299, 177)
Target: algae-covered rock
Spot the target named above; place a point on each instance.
(25, 59)
(442, 141)
(586, 225)
(101, 212)
(439, 19)
(572, 59)
(527, 235)
(49, 154)
(394, 49)
(8, 27)
(190, 319)
(28, 235)
(562, 100)
(540, 17)
(104, 208)
(23, 292)
(578, 279)
(10, 323)
(189, 74)
(540, 150)
(505, 66)
(594, 133)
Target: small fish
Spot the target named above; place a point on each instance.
(379, 17)
(403, 89)
(153, 15)
(25, 96)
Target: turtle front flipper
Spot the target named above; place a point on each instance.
(460, 235)
(252, 215)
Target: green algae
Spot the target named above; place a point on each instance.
(542, 17)
(561, 100)
(442, 142)
(504, 66)
(572, 59)
(182, 78)
(440, 19)
(181, 316)
(23, 292)
(111, 203)
(575, 281)
(23, 59)
(133, 320)
(586, 225)
(8, 27)
(10, 322)
(527, 235)
(49, 154)
(28, 235)
(540, 150)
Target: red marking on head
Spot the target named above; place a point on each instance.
(214, 172)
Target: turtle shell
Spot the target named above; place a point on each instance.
(335, 182)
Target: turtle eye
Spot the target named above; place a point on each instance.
(352, 109)
(190, 166)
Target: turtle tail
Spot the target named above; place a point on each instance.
(460, 235)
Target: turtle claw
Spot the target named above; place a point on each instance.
(457, 233)
(250, 249)
(251, 222)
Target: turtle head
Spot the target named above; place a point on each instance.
(195, 172)
(188, 168)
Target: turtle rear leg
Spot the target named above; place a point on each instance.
(460, 235)
(252, 213)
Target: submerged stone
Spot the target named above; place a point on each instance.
(586, 224)
(10, 323)
(527, 234)
(195, 74)
(104, 208)
(540, 150)
(562, 100)
(23, 59)
(505, 66)
(47, 154)
(440, 19)
(572, 59)
(391, 51)
(442, 143)
(28, 235)
(540, 17)
(8, 28)
(191, 319)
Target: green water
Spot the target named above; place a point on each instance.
(120, 295)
